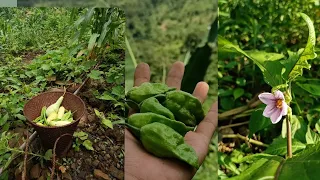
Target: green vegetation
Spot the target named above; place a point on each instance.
(258, 50)
(54, 48)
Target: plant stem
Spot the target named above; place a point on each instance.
(289, 138)
(288, 119)
(245, 139)
(233, 125)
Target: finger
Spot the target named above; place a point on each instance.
(175, 75)
(141, 74)
(209, 124)
(201, 91)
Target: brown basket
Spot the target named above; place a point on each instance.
(49, 135)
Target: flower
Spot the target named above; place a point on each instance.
(276, 105)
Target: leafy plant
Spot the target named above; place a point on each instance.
(82, 139)
(280, 72)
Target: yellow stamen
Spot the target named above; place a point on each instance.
(279, 103)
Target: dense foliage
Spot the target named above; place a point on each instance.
(258, 52)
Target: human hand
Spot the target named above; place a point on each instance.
(139, 164)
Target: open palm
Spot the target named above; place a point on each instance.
(141, 165)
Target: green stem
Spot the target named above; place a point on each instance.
(289, 138)
(134, 61)
(15, 153)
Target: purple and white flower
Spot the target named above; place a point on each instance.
(276, 105)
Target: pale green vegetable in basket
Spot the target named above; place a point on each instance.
(54, 107)
(59, 123)
(61, 112)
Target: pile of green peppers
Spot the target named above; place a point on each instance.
(163, 116)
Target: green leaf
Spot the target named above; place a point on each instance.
(21, 117)
(107, 123)
(267, 62)
(227, 103)
(95, 74)
(88, 145)
(238, 92)
(4, 119)
(305, 165)
(313, 89)
(197, 67)
(317, 126)
(104, 32)
(257, 121)
(118, 91)
(225, 160)
(82, 135)
(262, 56)
(236, 156)
(254, 157)
(298, 129)
(48, 154)
(106, 96)
(312, 137)
(92, 41)
(279, 146)
(263, 168)
(97, 113)
(45, 67)
(307, 53)
(273, 73)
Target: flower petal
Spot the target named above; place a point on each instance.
(267, 98)
(269, 110)
(278, 94)
(276, 116)
(284, 108)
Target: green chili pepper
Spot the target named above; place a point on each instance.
(139, 120)
(163, 141)
(185, 107)
(153, 105)
(146, 90)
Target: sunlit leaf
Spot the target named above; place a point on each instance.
(88, 145)
(107, 123)
(95, 74)
(279, 146)
(263, 168)
(299, 129)
(92, 41)
(312, 137)
(307, 53)
(48, 155)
